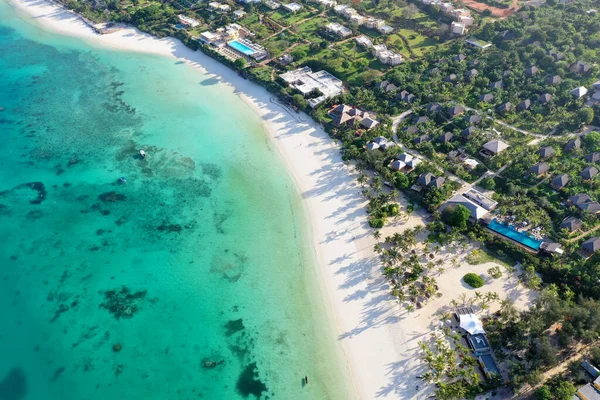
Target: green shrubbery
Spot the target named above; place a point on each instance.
(473, 280)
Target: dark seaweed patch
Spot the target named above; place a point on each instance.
(34, 215)
(123, 303)
(211, 170)
(234, 326)
(111, 197)
(14, 385)
(169, 228)
(35, 186)
(248, 382)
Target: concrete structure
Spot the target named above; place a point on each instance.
(457, 28)
(308, 82)
(292, 7)
(478, 44)
(386, 56)
(364, 41)
(185, 20)
(338, 29)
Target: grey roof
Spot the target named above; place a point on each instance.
(580, 198)
(553, 80)
(372, 146)
(412, 129)
(592, 207)
(589, 172)
(592, 157)
(421, 139)
(556, 55)
(571, 223)
(476, 211)
(383, 85)
(425, 178)
(573, 144)
(497, 85)
(391, 87)
(561, 180)
(591, 245)
(473, 119)
(434, 107)
(596, 85)
(545, 98)
(524, 105)
(369, 122)
(411, 98)
(459, 57)
(531, 71)
(445, 137)
(468, 132)
(495, 146)
(580, 67)
(505, 107)
(578, 92)
(540, 168)
(437, 182)
(420, 119)
(456, 110)
(488, 97)
(546, 151)
(450, 78)
(471, 73)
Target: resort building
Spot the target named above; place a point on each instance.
(385, 29)
(493, 147)
(237, 14)
(272, 5)
(188, 21)
(356, 19)
(364, 41)
(578, 92)
(338, 29)
(346, 115)
(457, 28)
(326, 3)
(476, 43)
(560, 181)
(386, 56)
(250, 1)
(211, 38)
(590, 247)
(308, 82)
(292, 7)
(373, 23)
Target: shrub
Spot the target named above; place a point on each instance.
(495, 272)
(376, 223)
(473, 280)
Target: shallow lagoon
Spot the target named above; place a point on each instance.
(194, 279)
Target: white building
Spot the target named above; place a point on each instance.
(466, 20)
(271, 4)
(385, 29)
(237, 14)
(457, 28)
(387, 56)
(308, 82)
(250, 1)
(446, 8)
(209, 37)
(340, 8)
(364, 41)
(214, 5)
(188, 21)
(373, 23)
(224, 8)
(338, 29)
(357, 19)
(292, 7)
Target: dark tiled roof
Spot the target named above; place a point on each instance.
(571, 223)
(561, 180)
(591, 245)
(546, 151)
(589, 172)
(539, 168)
(592, 157)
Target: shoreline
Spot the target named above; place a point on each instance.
(367, 322)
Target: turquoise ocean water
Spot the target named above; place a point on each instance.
(194, 279)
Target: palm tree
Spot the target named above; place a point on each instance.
(377, 248)
(362, 179)
(377, 235)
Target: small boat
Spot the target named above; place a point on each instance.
(142, 153)
(122, 179)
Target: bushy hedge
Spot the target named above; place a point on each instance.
(473, 280)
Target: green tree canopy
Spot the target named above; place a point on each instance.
(457, 216)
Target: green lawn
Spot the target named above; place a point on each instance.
(286, 18)
(419, 43)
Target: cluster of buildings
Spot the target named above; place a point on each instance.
(476, 202)
(383, 54)
(338, 30)
(187, 21)
(405, 163)
(344, 115)
(369, 22)
(219, 7)
(321, 84)
(462, 17)
(590, 391)
(233, 41)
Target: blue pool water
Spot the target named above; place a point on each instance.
(511, 233)
(242, 48)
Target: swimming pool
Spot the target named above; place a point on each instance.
(242, 48)
(512, 233)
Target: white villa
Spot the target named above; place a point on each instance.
(237, 14)
(292, 7)
(457, 28)
(338, 29)
(308, 82)
(385, 29)
(364, 41)
(387, 56)
(374, 23)
(188, 21)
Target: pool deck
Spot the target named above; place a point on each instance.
(523, 246)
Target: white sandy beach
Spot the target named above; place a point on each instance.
(378, 338)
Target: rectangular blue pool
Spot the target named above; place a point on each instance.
(242, 48)
(512, 233)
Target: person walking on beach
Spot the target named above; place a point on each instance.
(306, 380)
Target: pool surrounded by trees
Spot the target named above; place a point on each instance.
(511, 233)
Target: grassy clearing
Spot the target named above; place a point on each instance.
(419, 43)
(484, 255)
